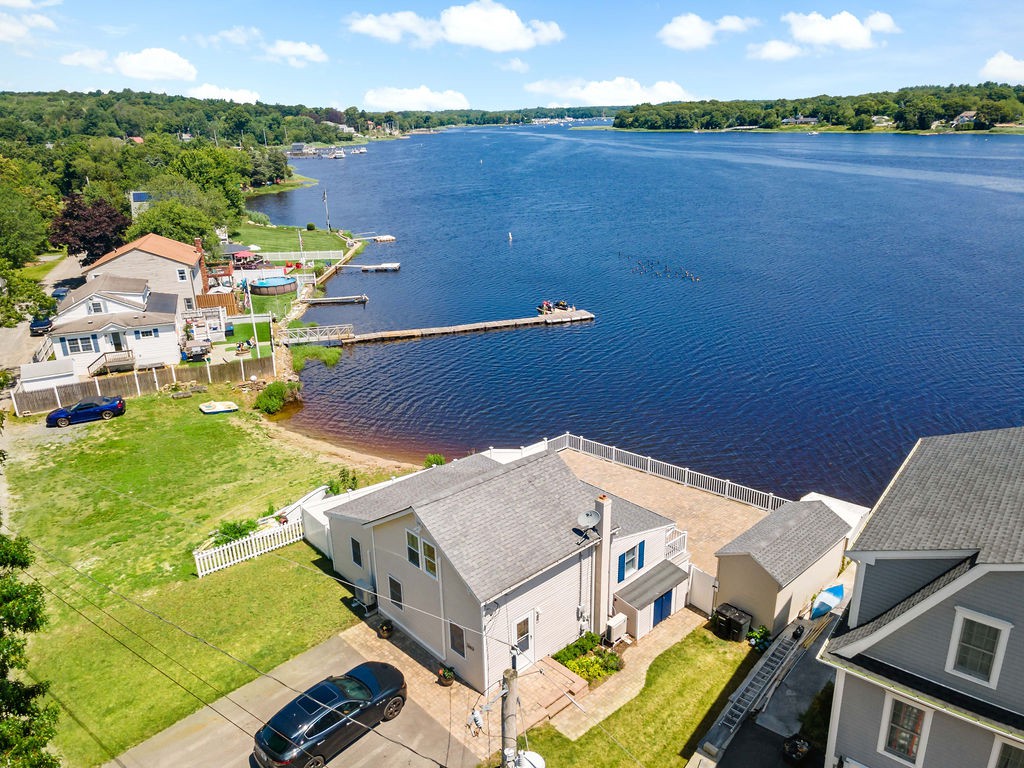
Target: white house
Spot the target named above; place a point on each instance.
(484, 562)
(167, 265)
(116, 323)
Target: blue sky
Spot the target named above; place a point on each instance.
(486, 54)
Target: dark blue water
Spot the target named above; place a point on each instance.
(855, 293)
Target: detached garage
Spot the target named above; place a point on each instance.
(773, 569)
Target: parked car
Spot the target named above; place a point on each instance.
(89, 409)
(40, 325)
(59, 293)
(321, 722)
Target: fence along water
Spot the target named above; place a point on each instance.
(138, 383)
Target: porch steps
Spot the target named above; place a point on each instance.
(755, 687)
(545, 685)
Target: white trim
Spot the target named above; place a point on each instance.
(883, 732)
(400, 605)
(1004, 628)
(524, 660)
(997, 745)
(869, 556)
(833, 724)
(858, 590)
(449, 645)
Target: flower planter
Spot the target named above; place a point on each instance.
(445, 676)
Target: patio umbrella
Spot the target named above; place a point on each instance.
(827, 600)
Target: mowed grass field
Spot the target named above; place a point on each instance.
(115, 510)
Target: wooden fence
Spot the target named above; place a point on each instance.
(210, 560)
(138, 383)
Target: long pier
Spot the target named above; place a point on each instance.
(556, 317)
(360, 299)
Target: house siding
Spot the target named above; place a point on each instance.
(888, 581)
(161, 347)
(161, 273)
(952, 742)
(555, 593)
(342, 532)
(796, 596)
(461, 607)
(746, 585)
(921, 646)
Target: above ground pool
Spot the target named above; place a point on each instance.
(271, 286)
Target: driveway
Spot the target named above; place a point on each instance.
(222, 733)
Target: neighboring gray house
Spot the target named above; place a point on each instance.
(773, 569)
(166, 265)
(479, 561)
(930, 656)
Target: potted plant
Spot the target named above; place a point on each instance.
(445, 675)
(386, 629)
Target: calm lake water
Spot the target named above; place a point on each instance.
(856, 292)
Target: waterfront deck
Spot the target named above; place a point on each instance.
(557, 317)
(360, 299)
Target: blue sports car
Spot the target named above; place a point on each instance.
(90, 409)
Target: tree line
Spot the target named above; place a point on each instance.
(909, 109)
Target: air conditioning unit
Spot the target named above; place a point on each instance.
(616, 628)
(363, 593)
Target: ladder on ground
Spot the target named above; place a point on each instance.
(758, 684)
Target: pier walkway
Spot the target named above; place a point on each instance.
(557, 317)
(360, 299)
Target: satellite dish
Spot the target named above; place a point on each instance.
(589, 519)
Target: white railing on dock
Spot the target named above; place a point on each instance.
(260, 542)
(683, 475)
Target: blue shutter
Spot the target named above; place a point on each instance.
(640, 556)
(64, 346)
(156, 333)
(622, 566)
(95, 343)
(138, 335)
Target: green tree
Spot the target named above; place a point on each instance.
(174, 219)
(861, 122)
(22, 231)
(26, 723)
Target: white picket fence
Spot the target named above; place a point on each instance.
(260, 542)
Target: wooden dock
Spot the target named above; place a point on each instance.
(361, 299)
(556, 317)
(390, 266)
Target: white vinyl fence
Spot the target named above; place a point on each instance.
(210, 560)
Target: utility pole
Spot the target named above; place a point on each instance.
(509, 699)
(327, 211)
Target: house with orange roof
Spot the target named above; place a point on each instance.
(166, 265)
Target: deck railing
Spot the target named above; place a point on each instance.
(210, 560)
(682, 475)
(112, 360)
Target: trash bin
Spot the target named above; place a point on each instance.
(731, 623)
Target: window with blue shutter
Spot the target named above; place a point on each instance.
(64, 346)
(156, 332)
(138, 334)
(622, 566)
(631, 561)
(640, 556)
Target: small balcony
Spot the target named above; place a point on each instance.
(109, 362)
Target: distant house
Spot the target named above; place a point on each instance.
(166, 265)
(116, 323)
(485, 562)
(929, 657)
(139, 202)
(965, 117)
(881, 120)
(773, 570)
(799, 120)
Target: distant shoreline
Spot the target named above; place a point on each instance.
(803, 130)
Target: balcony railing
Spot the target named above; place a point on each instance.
(112, 361)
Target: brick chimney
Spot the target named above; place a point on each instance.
(202, 265)
(602, 565)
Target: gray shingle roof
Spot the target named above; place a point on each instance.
(107, 284)
(790, 539)
(645, 589)
(956, 492)
(160, 310)
(412, 489)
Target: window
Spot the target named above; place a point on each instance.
(395, 591)
(182, 275)
(977, 646)
(330, 719)
(357, 553)
(83, 344)
(147, 334)
(412, 548)
(904, 730)
(631, 561)
(1006, 755)
(189, 304)
(457, 640)
(96, 307)
(429, 558)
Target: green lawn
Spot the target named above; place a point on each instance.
(125, 502)
(280, 239)
(38, 270)
(687, 686)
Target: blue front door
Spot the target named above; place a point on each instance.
(662, 607)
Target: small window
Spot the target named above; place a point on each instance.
(189, 304)
(182, 275)
(1006, 755)
(147, 334)
(395, 592)
(96, 307)
(429, 558)
(357, 553)
(457, 639)
(83, 344)
(412, 548)
(903, 733)
(977, 646)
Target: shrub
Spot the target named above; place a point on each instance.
(233, 530)
(578, 648)
(310, 227)
(433, 460)
(610, 661)
(275, 395)
(345, 481)
(587, 667)
(258, 217)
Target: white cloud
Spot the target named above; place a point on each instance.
(773, 50)
(87, 58)
(619, 91)
(383, 99)
(22, 5)
(689, 32)
(18, 29)
(515, 65)
(481, 24)
(843, 30)
(155, 64)
(234, 36)
(239, 95)
(1003, 68)
(297, 54)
